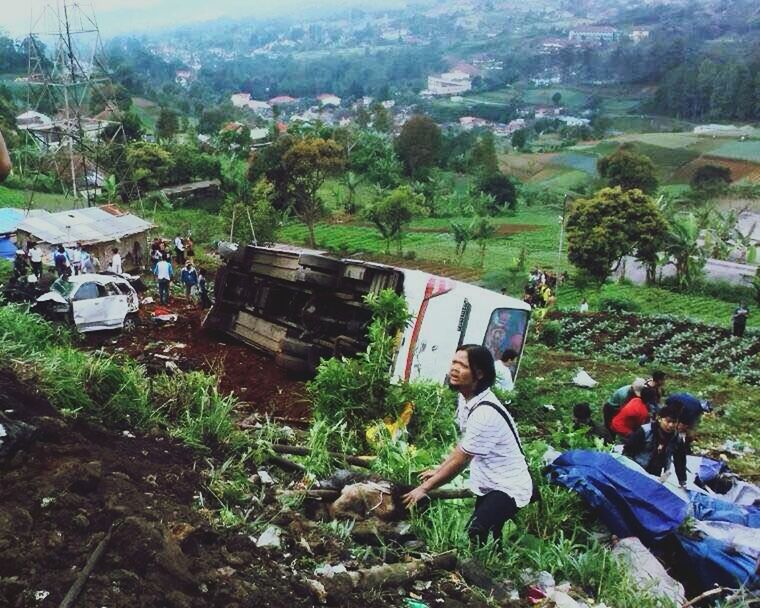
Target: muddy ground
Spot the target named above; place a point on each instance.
(73, 481)
(249, 375)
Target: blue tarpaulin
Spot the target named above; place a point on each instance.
(717, 563)
(707, 508)
(632, 503)
(628, 502)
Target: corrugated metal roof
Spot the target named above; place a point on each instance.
(10, 219)
(91, 225)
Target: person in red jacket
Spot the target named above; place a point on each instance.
(634, 413)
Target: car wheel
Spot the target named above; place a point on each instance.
(317, 261)
(131, 324)
(292, 364)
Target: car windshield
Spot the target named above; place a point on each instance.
(62, 286)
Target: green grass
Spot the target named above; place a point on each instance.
(40, 200)
(739, 150)
(440, 247)
(571, 98)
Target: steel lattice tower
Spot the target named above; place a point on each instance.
(68, 76)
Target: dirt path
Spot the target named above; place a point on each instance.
(71, 483)
(251, 376)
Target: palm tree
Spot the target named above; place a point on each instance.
(682, 245)
(352, 181)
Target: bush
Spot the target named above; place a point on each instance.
(615, 304)
(720, 290)
(550, 333)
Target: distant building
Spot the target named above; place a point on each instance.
(328, 99)
(546, 81)
(574, 121)
(548, 111)
(470, 122)
(282, 100)
(240, 100)
(449, 83)
(639, 33)
(243, 100)
(593, 33)
(184, 77)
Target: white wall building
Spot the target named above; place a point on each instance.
(449, 83)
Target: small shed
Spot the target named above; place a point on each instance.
(9, 221)
(99, 229)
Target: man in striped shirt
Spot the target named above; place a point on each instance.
(499, 475)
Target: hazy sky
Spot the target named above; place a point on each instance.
(133, 16)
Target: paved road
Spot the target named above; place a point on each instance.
(715, 270)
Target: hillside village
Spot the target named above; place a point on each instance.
(447, 304)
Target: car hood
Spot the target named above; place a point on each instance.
(52, 296)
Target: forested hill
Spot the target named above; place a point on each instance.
(700, 59)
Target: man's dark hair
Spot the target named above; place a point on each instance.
(582, 411)
(114, 250)
(509, 354)
(648, 394)
(480, 360)
(672, 411)
(658, 375)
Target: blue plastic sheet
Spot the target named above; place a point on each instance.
(628, 502)
(714, 562)
(708, 508)
(709, 469)
(631, 503)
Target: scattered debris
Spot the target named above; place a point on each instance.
(583, 379)
(647, 571)
(270, 538)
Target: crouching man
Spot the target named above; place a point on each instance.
(499, 475)
(656, 445)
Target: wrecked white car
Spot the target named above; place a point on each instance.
(92, 302)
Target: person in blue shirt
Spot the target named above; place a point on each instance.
(163, 271)
(189, 278)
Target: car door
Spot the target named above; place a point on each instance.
(115, 304)
(88, 306)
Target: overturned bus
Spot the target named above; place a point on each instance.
(301, 305)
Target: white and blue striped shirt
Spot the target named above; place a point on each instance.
(497, 462)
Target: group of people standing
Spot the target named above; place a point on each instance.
(67, 261)
(191, 278)
(540, 288)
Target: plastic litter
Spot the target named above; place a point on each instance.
(582, 378)
(271, 537)
(647, 571)
(328, 571)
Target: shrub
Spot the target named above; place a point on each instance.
(550, 333)
(615, 304)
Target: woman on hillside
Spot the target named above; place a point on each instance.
(499, 474)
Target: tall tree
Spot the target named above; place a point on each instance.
(519, 138)
(483, 159)
(252, 218)
(628, 169)
(308, 163)
(419, 145)
(614, 223)
(167, 124)
(393, 212)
